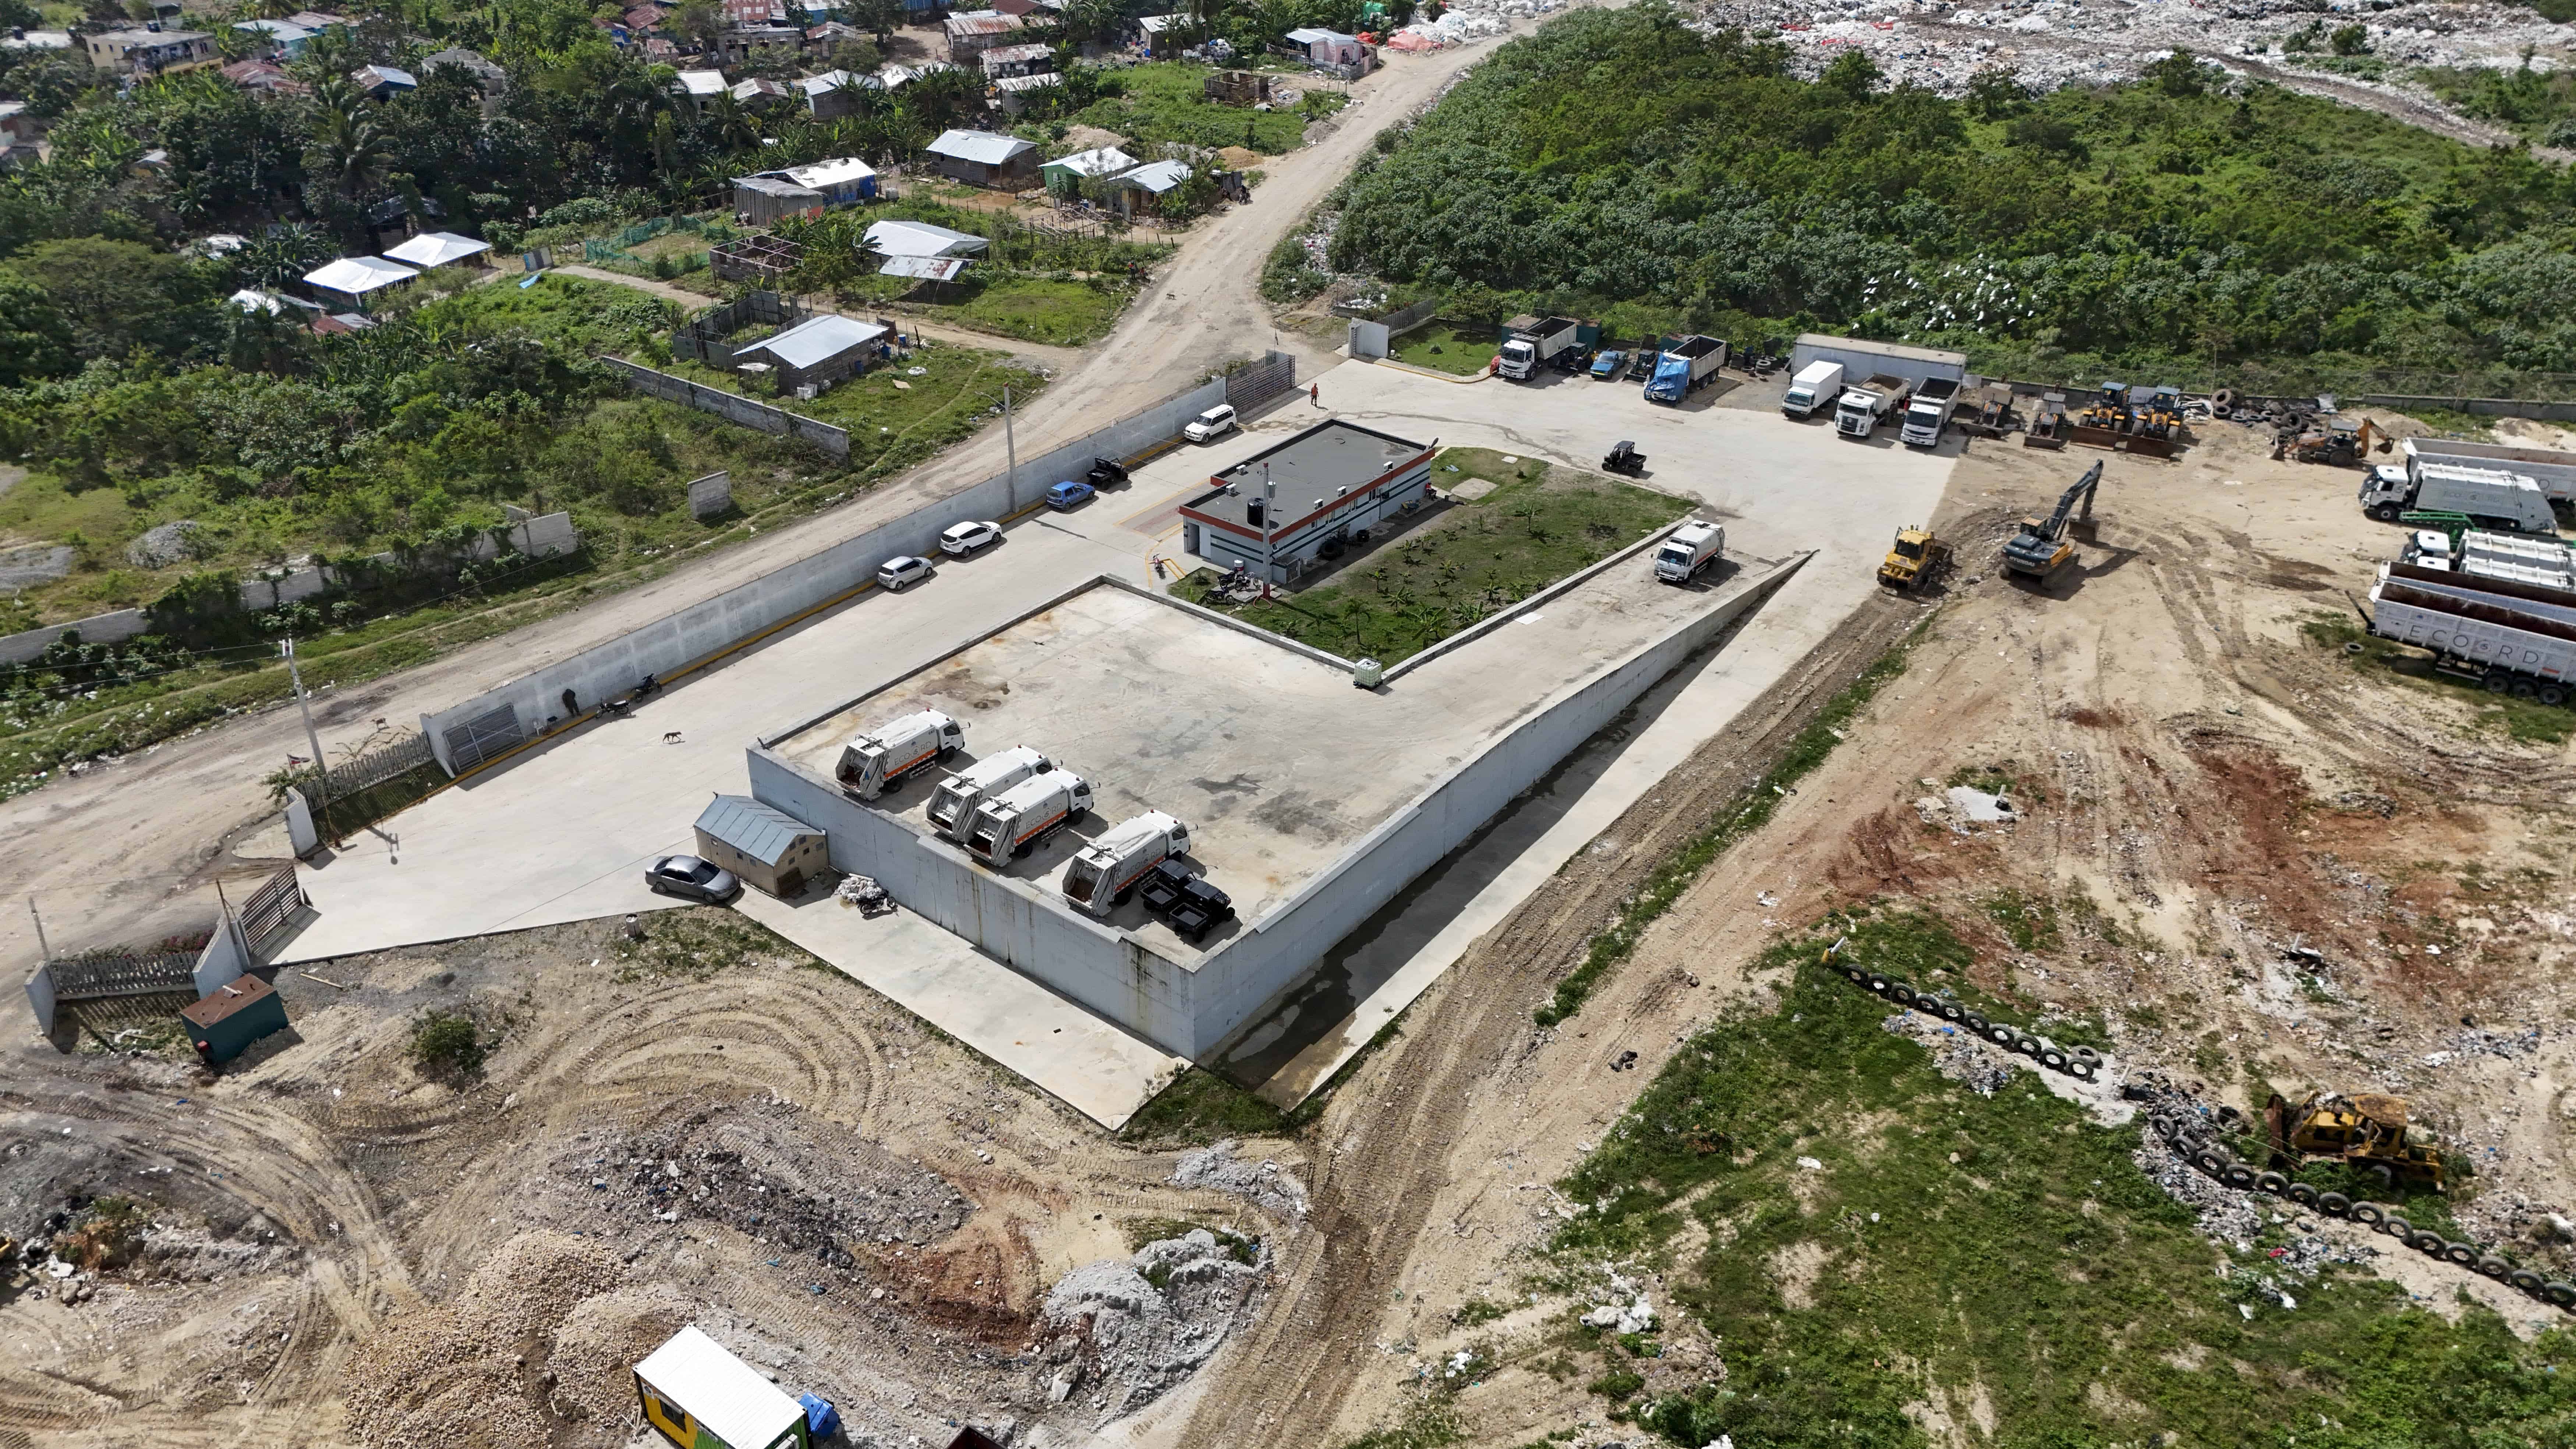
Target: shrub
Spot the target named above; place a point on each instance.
(445, 1043)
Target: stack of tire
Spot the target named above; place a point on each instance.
(2195, 1143)
(2082, 1063)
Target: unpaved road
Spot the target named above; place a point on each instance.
(121, 846)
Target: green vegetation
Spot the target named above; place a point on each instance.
(1447, 347)
(106, 1234)
(1618, 941)
(894, 427)
(1163, 103)
(2002, 1253)
(1427, 1426)
(2538, 105)
(695, 945)
(1468, 561)
(2180, 226)
(1039, 285)
(447, 1044)
(1140, 1231)
(2525, 720)
(1200, 1107)
(2029, 923)
(1476, 1312)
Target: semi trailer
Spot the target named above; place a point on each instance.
(1107, 869)
(877, 761)
(2553, 470)
(2557, 605)
(2507, 651)
(954, 802)
(1016, 821)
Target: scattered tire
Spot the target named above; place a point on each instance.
(2237, 1175)
(2464, 1254)
(2562, 1294)
(2301, 1193)
(2335, 1205)
(2167, 1128)
(1952, 1011)
(2271, 1182)
(2396, 1227)
(2026, 1044)
(2211, 1161)
(1973, 1022)
(2524, 1279)
(2494, 1267)
(2051, 1058)
(1901, 994)
(2080, 1071)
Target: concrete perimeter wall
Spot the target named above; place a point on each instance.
(1261, 965)
(113, 628)
(733, 407)
(677, 643)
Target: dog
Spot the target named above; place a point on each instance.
(672, 738)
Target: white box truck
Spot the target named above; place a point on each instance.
(954, 802)
(2488, 496)
(1015, 821)
(1109, 867)
(2509, 652)
(1692, 547)
(1929, 413)
(1866, 404)
(877, 761)
(2553, 470)
(1816, 386)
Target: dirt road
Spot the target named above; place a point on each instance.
(124, 847)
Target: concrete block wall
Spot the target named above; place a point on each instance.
(669, 645)
(541, 537)
(112, 628)
(733, 407)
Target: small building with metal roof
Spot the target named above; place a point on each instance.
(765, 198)
(761, 845)
(981, 158)
(920, 239)
(232, 1017)
(354, 279)
(437, 249)
(699, 1396)
(1065, 173)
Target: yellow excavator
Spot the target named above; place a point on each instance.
(2368, 1133)
(1915, 556)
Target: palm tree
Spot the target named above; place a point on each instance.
(286, 252)
(353, 146)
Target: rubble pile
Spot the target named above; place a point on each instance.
(1266, 1184)
(1963, 1057)
(767, 1170)
(1127, 1330)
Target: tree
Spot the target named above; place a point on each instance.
(1996, 94)
(19, 15)
(1853, 73)
(877, 17)
(35, 337)
(281, 255)
(2180, 75)
(352, 148)
(118, 295)
(2351, 39)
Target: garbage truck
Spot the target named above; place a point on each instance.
(1692, 547)
(2487, 496)
(877, 761)
(954, 802)
(1016, 821)
(1689, 363)
(1107, 869)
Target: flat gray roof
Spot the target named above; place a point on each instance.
(1892, 349)
(1316, 463)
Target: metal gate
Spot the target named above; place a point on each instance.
(113, 972)
(270, 907)
(1274, 374)
(483, 737)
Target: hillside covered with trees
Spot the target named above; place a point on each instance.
(1621, 164)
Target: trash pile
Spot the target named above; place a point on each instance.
(1269, 1186)
(1128, 1330)
(1956, 1054)
(1626, 1309)
(767, 1170)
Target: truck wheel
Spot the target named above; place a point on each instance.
(2524, 689)
(2497, 681)
(2385, 512)
(1023, 848)
(2552, 695)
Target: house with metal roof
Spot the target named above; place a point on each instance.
(761, 845)
(920, 239)
(981, 158)
(1009, 60)
(842, 180)
(972, 32)
(813, 354)
(699, 1396)
(699, 85)
(763, 199)
(1147, 185)
(353, 281)
(278, 37)
(379, 82)
(1067, 173)
(437, 249)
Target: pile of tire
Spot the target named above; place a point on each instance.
(2082, 1063)
(2192, 1140)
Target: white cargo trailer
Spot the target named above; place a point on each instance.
(1109, 867)
(1860, 357)
(2553, 470)
(1015, 821)
(954, 802)
(2509, 652)
(877, 761)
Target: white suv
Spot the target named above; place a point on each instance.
(902, 573)
(961, 539)
(1216, 422)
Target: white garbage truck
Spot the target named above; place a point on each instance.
(877, 761)
(1108, 868)
(1016, 821)
(2490, 497)
(954, 802)
(1692, 547)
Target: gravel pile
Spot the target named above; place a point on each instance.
(1125, 1331)
(1266, 1184)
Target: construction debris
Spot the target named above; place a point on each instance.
(1133, 1328)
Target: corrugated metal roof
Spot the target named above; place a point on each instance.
(358, 274)
(1099, 161)
(814, 341)
(777, 186)
(1016, 83)
(1157, 176)
(757, 831)
(1017, 54)
(834, 171)
(437, 249)
(728, 1397)
(701, 82)
(933, 269)
(979, 146)
(984, 23)
(919, 239)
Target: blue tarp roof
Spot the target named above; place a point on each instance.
(754, 829)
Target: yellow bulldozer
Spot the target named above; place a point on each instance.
(1914, 557)
(2368, 1133)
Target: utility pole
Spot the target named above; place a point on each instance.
(321, 767)
(43, 951)
(1011, 451)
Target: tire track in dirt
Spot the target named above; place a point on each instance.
(1387, 1134)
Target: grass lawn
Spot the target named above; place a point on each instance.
(1067, 313)
(1442, 347)
(1466, 561)
(1165, 100)
(892, 414)
(1949, 1249)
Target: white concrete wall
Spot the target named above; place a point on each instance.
(40, 995)
(668, 645)
(223, 961)
(113, 628)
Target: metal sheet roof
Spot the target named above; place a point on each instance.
(814, 341)
(1039, 81)
(919, 239)
(437, 249)
(1157, 176)
(729, 1398)
(1099, 161)
(836, 171)
(762, 833)
(979, 146)
(358, 274)
(983, 23)
(701, 82)
(931, 269)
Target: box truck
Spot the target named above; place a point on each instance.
(1107, 869)
(877, 761)
(1015, 821)
(954, 802)
(1692, 547)
(1684, 366)
(1866, 404)
(1929, 413)
(1817, 385)
(1537, 344)
(2487, 496)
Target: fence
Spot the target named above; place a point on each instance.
(697, 338)
(1260, 381)
(733, 407)
(755, 259)
(266, 910)
(372, 768)
(93, 975)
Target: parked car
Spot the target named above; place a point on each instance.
(686, 875)
(961, 539)
(1608, 363)
(1070, 492)
(1215, 423)
(1105, 472)
(902, 572)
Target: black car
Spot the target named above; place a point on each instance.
(686, 875)
(1201, 909)
(1162, 885)
(1105, 471)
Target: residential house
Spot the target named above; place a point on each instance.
(740, 13)
(382, 82)
(841, 180)
(488, 75)
(22, 136)
(357, 281)
(394, 218)
(815, 353)
(972, 32)
(920, 239)
(1344, 55)
(1015, 90)
(1144, 188)
(699, 86)
(831, 95)
(1065, 174)
(265, 75)
(1162, 36)
(440, 249)
(757, 95)
(760, 200)
(641, 20)
(1010, 60)
(148, 52)
(318, 20)
(830, 33)
(278, 38)
(981, 158)
(749, 40)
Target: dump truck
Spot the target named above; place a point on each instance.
(1692, 547)
(954, 802)
(1101, 877)
(1016, 821)
(1536, 343)
(1817, 385)
(2544, 602)
(1916, 555)
(877, 761)
(2488, 496)
(2042, 545)
(1684, 367)
(1929, 413)
(2553, 470)
(2505, 650)
(2368, 1133)
(1866, 404)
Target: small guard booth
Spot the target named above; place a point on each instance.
(237, 1014)
(701, 1397)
